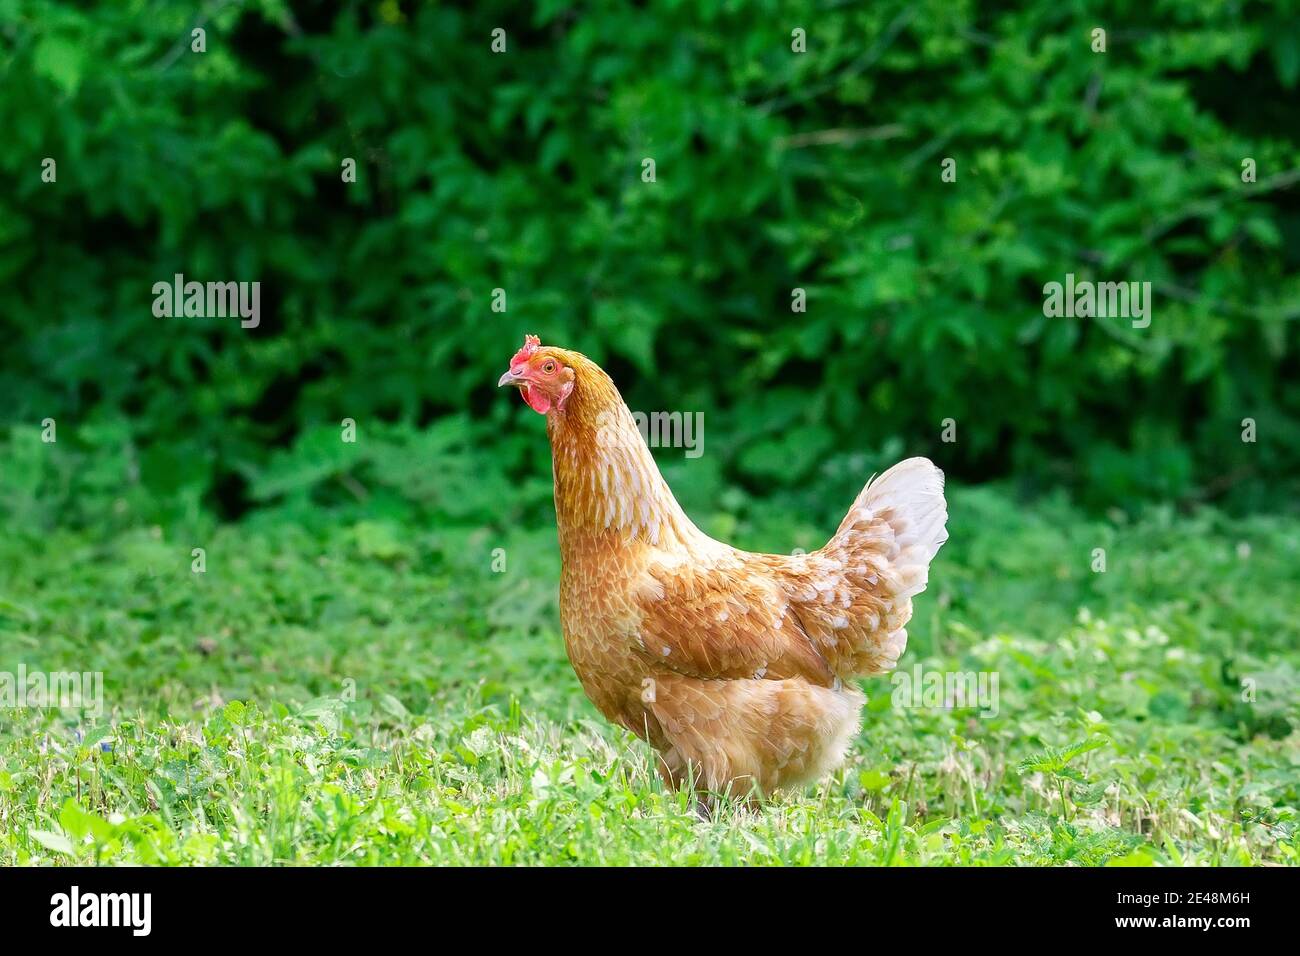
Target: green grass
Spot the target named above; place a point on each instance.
(365, 694)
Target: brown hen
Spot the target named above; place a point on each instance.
(736, 667)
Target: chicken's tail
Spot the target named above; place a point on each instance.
(909, 499)
(877, 560)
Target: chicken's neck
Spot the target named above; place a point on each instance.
(608, 488)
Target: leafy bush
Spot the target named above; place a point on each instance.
(774, 170)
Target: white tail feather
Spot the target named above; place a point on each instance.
(912, 493)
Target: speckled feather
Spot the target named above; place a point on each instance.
(736, 667)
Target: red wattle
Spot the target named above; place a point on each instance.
(536, 400)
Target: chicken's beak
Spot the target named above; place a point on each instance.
(510, 378)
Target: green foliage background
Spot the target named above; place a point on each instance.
(349, 679)
(522, 170)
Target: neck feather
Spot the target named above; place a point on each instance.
(606, 481)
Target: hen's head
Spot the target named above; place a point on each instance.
(545, 376)
(601, 462)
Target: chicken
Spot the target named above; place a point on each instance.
(737, 668)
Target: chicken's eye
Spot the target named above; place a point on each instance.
(548, 368)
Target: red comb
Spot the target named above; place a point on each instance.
(531, 343)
